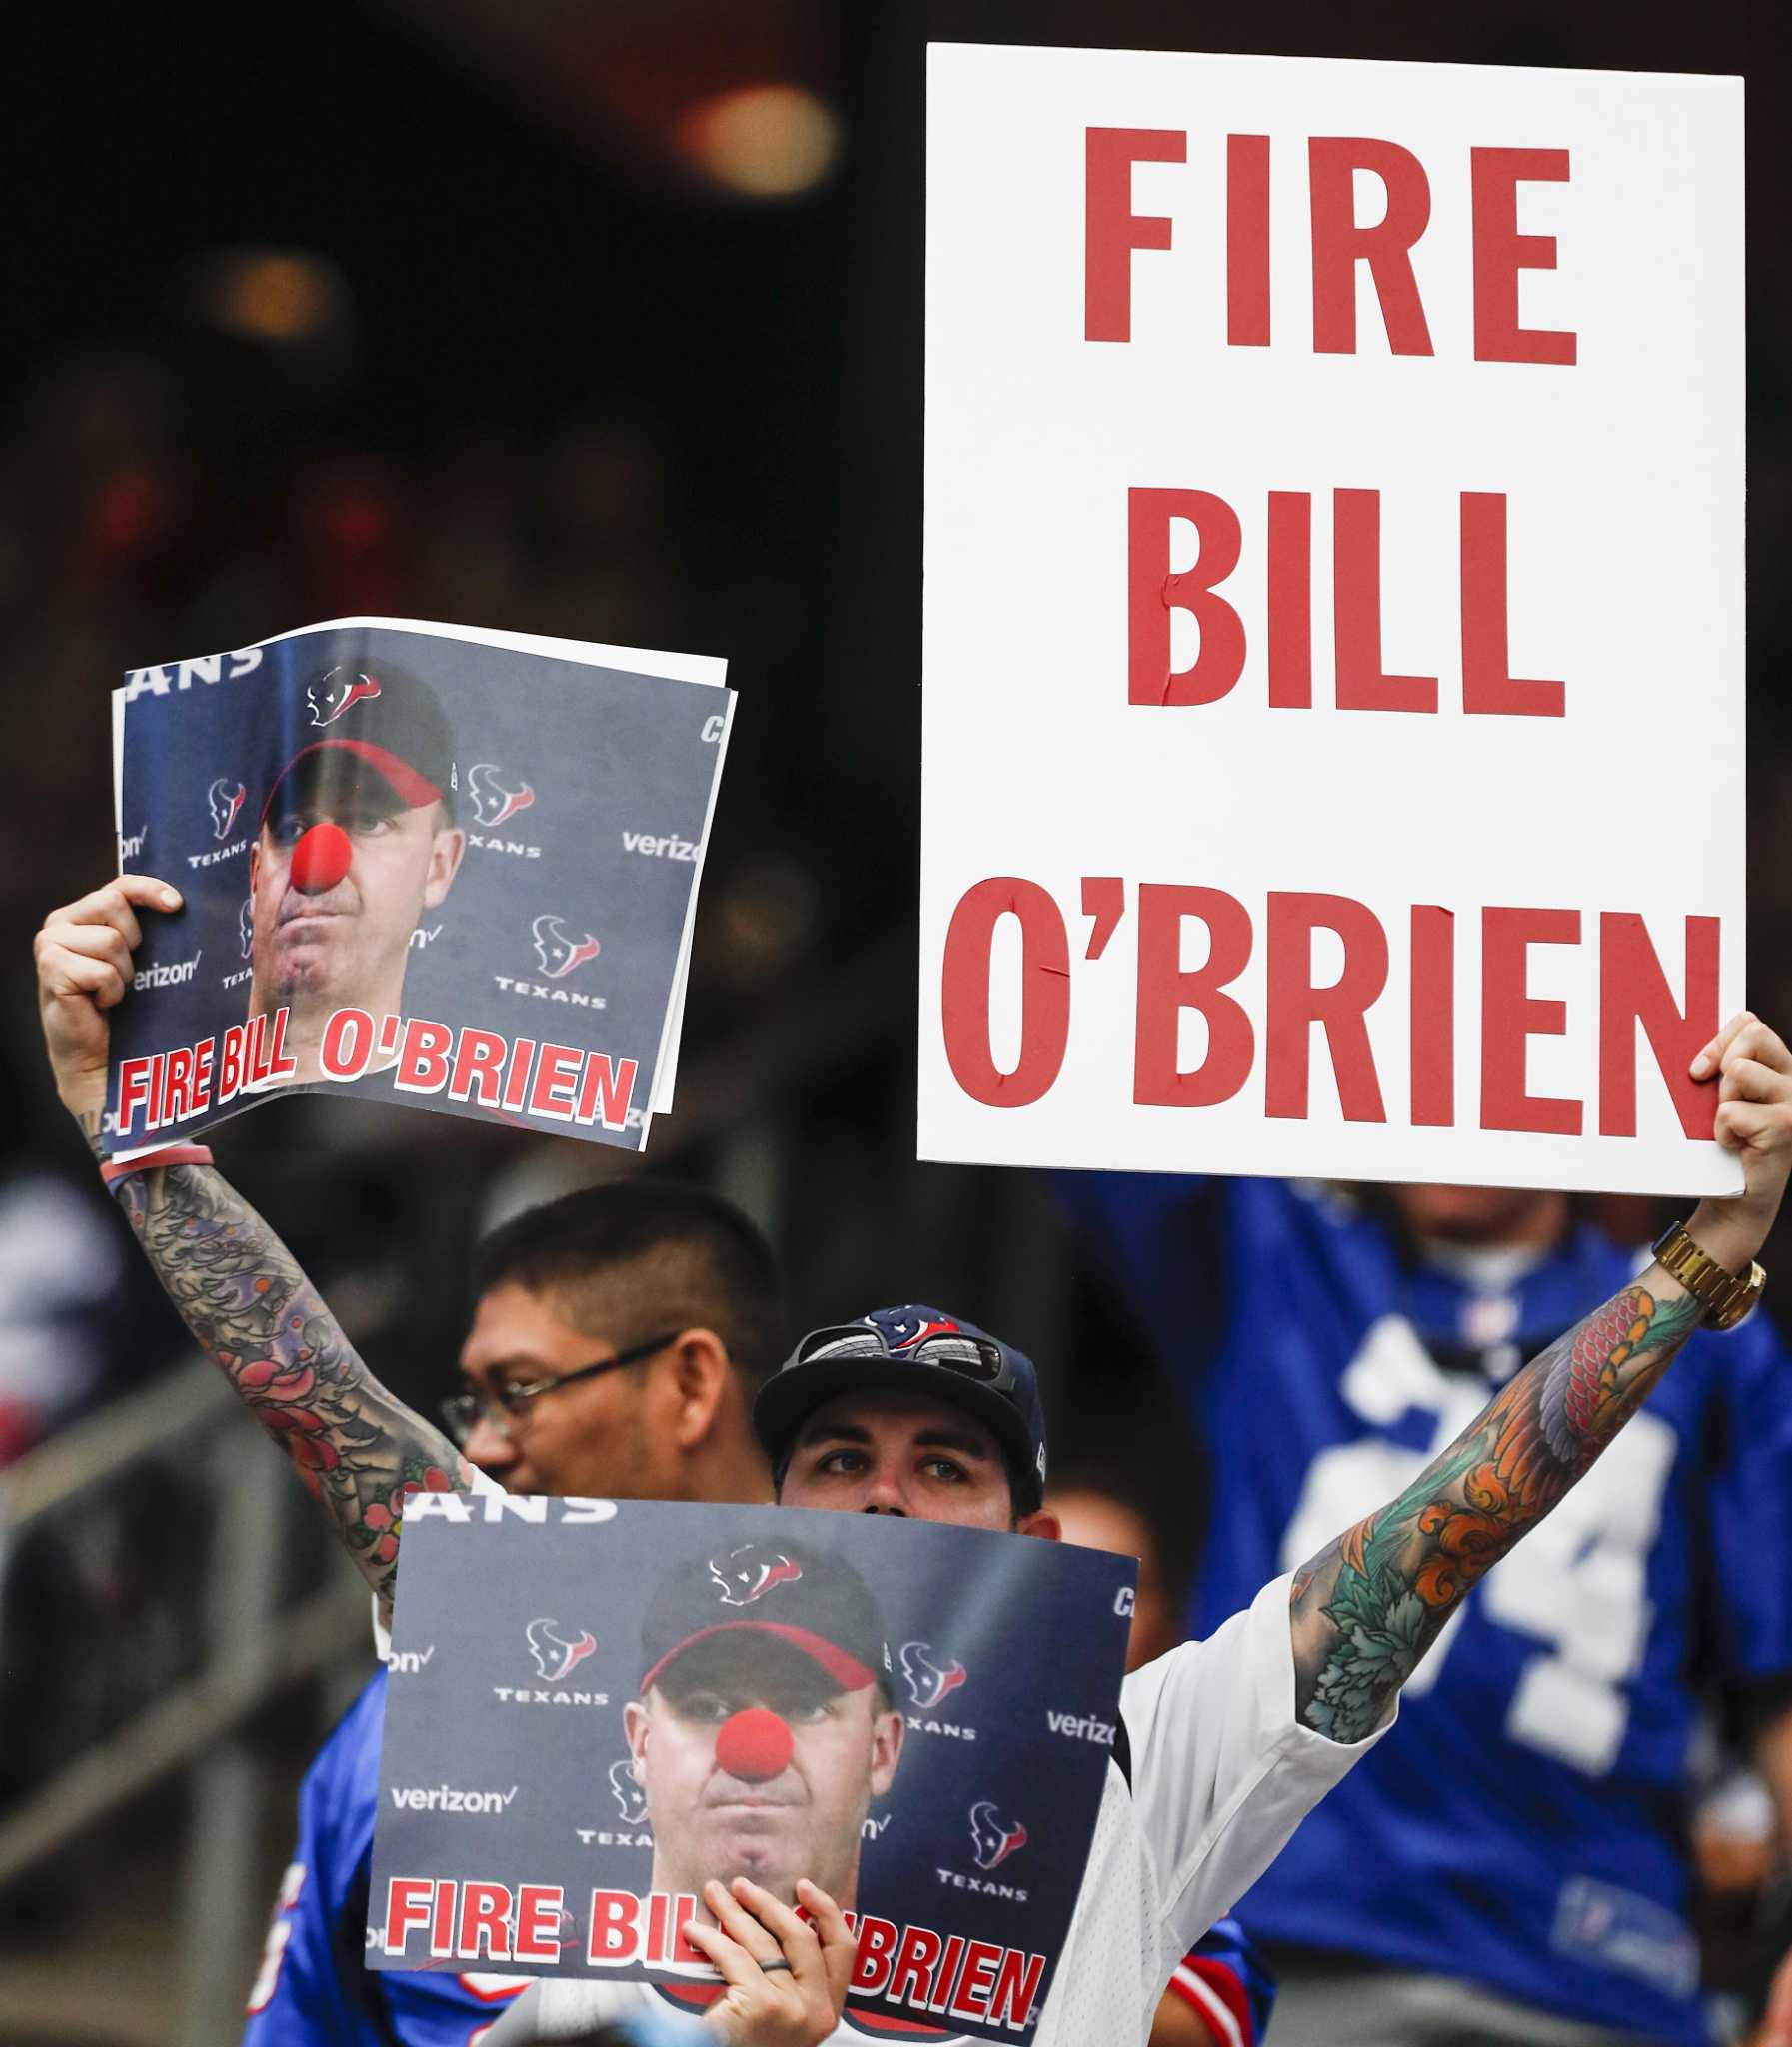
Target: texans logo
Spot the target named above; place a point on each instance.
(558, 954)
(332, 694)
(494, 797)
(928, 1683)
(630, 1797)
(742, 1582)
(224, 802)
(994, 1838)
(555, 1656)
(904, 1327)
(246, 926)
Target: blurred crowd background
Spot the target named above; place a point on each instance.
(599, 318)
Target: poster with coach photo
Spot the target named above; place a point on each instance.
(596, 1706)
(426, 864)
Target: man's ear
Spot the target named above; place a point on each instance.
(445, 862)
(700, 1369)
(1045, 1524)
(886, 1751)
(635, 1733)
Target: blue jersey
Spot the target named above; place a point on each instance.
(1523, 1825)
(314, 1984)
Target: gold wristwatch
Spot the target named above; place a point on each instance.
(1724, 1298)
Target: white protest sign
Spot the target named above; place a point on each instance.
(1333, 724)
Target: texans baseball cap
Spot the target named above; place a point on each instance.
(803, 1596)
(370, 730)
(916, 1350)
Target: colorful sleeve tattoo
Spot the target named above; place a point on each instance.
(256, 1315)
(1369, 1605)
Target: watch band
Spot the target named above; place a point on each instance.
(1725, 1298)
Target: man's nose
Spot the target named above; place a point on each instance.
(487, 1448)
(885, 1494)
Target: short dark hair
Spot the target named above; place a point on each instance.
(645, 1253)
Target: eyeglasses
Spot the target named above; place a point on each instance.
(971, 1357)
(509, 1404)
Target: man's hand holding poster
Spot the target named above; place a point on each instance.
(439, 867)
(1334, 643)
(918, 1718)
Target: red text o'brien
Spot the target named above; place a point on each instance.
(1635, 993)
(515, 1077)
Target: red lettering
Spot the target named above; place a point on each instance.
(1501, 252)
(201, 1076)
(1247, 241)
(1339, 244)
(605, 1091)
(179, 1085)
(1044, 991)
(1295, 1004)
(133, 1091)
(1112, 230)
(515, 1085)
(407, 1906)
(556, 1076)
(441, 1920)
(971, 1998)
(1434, 1017)
(1152, 592)
(683, 1955)
(947, 1972)
(1487, 687)
(280, 1066)
(230, 1064)
(1511, 1017)
(478, 1064)
(914, 1962)
(539, 1908)
(1167, 988)
(1356, 612)
(1633, 990)
(1291, 600)
(484, 1910)
(873, 1957)
(346, 1045)
(422, 1057)
(1016, 1985)
(615, 1923)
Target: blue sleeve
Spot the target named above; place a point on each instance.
(1222, 1977)
(1747, 1488)
(314, 1983)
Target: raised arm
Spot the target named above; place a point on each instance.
(1369, 1605)
(237, 1288)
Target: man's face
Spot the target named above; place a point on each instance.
(345, 944)
(806, 1821)
(597, 1439)
(898, 1453)
(1482, 1216)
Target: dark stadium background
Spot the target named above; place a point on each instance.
(431, 307)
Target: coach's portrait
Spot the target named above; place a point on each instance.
(357, 841)
(763, 1728)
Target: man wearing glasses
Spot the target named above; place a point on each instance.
(617, 1340)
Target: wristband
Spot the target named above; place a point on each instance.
(113, 1171)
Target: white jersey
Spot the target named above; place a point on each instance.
(1222, 1773)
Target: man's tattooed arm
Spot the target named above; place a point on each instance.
(256, 1315)
(1369, 1605)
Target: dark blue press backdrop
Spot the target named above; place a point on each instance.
(517, 1647)
(619, 770)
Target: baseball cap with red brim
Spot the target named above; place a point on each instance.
(808, 1599)
(372, 732)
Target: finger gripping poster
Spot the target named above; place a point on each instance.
(422, 864)
(596, 1706)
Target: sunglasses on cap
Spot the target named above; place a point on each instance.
(971, 1357)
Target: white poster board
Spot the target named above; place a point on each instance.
(1333, 725)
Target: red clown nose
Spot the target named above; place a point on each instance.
(321, 859)
(754, 1744)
